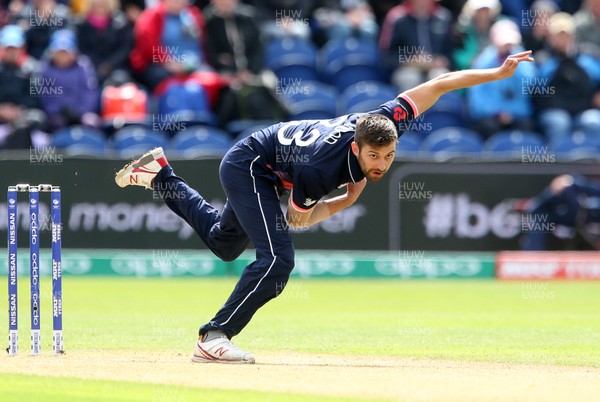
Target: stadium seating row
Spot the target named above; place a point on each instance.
(189, 102)
(350, 67)
(312, 100)
(341, 62)
(445, 143)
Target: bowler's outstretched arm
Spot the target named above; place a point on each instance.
(425, 95)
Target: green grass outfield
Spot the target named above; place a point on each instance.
(548, 323)
(23, 388)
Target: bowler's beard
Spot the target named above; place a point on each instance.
(369, 174)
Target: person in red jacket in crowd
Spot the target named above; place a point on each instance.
(169, 42)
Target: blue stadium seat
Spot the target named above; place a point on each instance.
(345, 62)
(133, 141)
(365, 96)
(448, 111)
(434, 120)
(450, 142)
(201, 141)
(512, 142)
(409, 144)
(314, 100)
(292, 59)
(80, 140)
(578, 146)
(186, 102)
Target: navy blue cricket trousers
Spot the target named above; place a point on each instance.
(252, 213)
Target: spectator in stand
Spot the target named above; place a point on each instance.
(40, 19)
(236, 52)
(420, 45)
(473, 28)
(387, 26)
(574, 80)
(355, 20)
(502, 105)
(105, 36)
(169, 41)
(535, 28)
(587, 21)
(20, 117)
(235, 49)
(66, 84)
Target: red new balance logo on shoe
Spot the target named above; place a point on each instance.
(221, 351)
(143, 169)
(133, 179)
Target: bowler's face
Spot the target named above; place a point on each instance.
(375, 161)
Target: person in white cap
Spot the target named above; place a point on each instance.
(501, 105)
(474, 23)
(572, 79)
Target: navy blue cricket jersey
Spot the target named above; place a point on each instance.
(314, 157)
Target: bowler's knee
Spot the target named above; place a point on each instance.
(284, 263)
(282, 268)
(281, 263)
(229, 255)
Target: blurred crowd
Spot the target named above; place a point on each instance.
(81, 62)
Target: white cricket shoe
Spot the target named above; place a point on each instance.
(142, 171)
(220, 350)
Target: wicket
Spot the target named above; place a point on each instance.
(34, 269)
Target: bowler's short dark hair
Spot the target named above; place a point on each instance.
(375, 130)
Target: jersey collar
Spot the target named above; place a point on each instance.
(354, 169)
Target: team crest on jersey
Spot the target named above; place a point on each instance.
(308, 202)
(399, 113)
